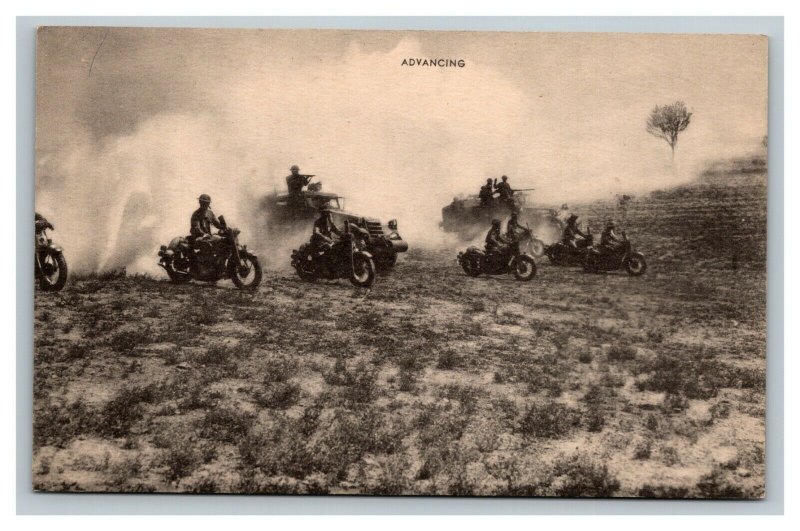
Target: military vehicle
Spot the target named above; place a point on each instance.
(468, 218)
(290, 214)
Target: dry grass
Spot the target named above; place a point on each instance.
(434, 383)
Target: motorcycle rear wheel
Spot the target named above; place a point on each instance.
(240, 273)
(524, 268)
(636, 265)
(363, 274)
(59, 263)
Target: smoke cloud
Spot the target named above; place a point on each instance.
(124, 151)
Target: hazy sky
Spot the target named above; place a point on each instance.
(156, 116)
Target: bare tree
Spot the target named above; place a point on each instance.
(668, 121)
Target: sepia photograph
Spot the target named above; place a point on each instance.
(400, 263)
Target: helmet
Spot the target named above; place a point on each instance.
(489, 180)
(572, 217)
(611, 225)
(495, 223)
(564, 206)
(294, 167)
(505, 177)
(204, 198)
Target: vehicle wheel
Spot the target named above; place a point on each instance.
(247, 273)
(636, 265)
(387, 262)
(178, 277)
(304, 265)
(471, 265)
(54, 272)
(536, 248)
(363, 274)
(524, 268)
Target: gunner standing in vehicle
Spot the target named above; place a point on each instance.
(202, 221)
(572, 233)
(506, 193)
(486, 195)
(609, 240)
(296, 181)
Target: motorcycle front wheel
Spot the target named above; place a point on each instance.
(536, 248)
(524, 268)
(177, 277)
(363, 274)
(54, 271)
(471, 265)
(247, 273)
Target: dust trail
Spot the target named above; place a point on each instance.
(123, 155)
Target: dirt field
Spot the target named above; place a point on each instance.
(432, 383)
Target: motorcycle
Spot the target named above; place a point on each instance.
(50, 267)
(511, 259)
(347, 258)
(624, 256)
(562, 254)
(529, 243)
(187, 258)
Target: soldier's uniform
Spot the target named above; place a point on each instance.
(323, 232)
(495, 240)
(41, 223)
(202, 221)
(295, 184)
(512, 227)
(609, 240)
(486, 194)
(572, 232)
(506, 193)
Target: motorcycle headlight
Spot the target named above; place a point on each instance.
(392, 224)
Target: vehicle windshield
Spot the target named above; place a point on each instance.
(323, 202)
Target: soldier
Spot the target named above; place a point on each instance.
(296, 181)
(41, 223)
(324, 232)
(609, 239)
(495, 241)
(202, 220)
(572, 232)
(486, 194)
(563, 214)
(506, 193)
(513, 226)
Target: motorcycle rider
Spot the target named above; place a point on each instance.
(41, 223)
(486, 194)
(495, 241)
(609, 241)
(202, 220)
(572, 235)
(563, 214)
(513, 228)
(325, 231)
